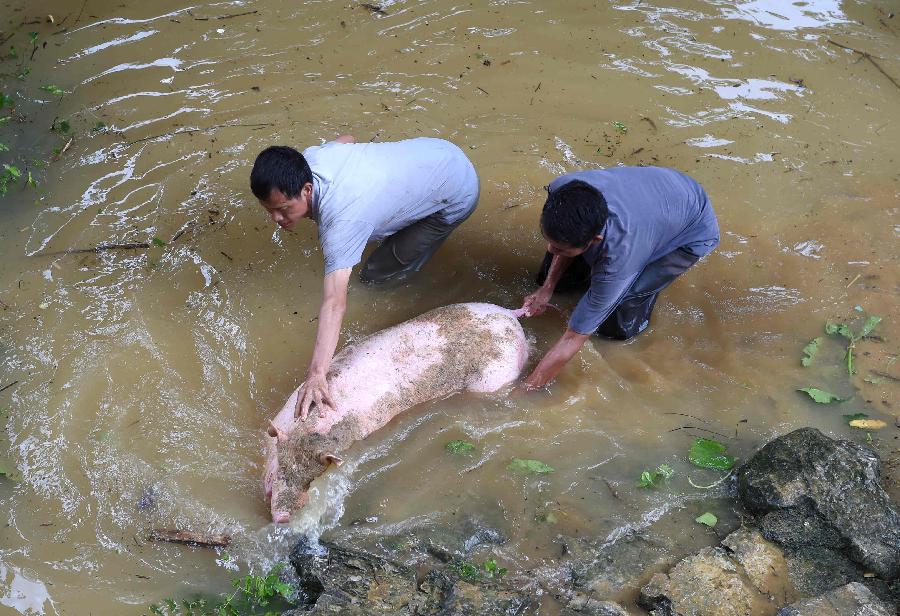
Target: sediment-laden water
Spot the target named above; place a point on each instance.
(143, 378)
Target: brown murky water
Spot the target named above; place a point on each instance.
(144, 378)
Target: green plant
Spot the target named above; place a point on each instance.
(535, 467)
(651, 479)
(252, 595)
(9, 176)
(459, 447)
(842, 329)
(620, 127)
(707, 453)
(53, 89)
(471, 571)
(821, 396)
(60, 126)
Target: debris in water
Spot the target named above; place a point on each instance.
(189, 538)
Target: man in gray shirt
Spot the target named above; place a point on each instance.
(623, 235)
(410, 194)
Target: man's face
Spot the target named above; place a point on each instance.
(564, 250)
(287, 211)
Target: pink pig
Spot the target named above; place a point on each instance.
(473, 347)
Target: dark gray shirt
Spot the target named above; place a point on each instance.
(652, 211)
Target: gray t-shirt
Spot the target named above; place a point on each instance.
(367, 191)
(652, 211)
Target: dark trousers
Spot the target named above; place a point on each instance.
(632, 315)
(407, 250)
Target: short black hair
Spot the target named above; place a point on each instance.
(280, 167)
(574, 214)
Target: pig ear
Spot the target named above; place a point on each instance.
(274, 432)
(329, 458)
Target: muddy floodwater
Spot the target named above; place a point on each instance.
(137, 383)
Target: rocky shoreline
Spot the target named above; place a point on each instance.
(821, 538)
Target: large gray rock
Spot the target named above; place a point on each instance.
(854, 599)
(336, 579)
(832, 484)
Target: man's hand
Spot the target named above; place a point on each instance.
(313, 391)
(536, 303)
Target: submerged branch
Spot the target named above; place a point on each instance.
(869, 57)
(189, 538)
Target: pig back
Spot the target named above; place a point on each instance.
(478, 347)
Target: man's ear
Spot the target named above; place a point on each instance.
(597, 239)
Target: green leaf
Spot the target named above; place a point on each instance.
(874, 380)
(490, 565)
(100, 126)
(810, 350)
(620, 127)
(708, 519)
(33, 36)
(4, 147)
(60, 126)
(530, 466)
(820, 396)
(29, 181)
(12, 52)
(157, 242)
(854, 417)
(467, 570)
(838, 328)
(459, 447)
(52, 89)
(24, 73)
(868, 326)
(5, 100)
(650, 479)
(5, 120)
(547, 517)
(13, 171)
(707, 453)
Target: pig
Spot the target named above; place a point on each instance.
(463, 347)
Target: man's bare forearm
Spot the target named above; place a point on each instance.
(331, 315)
(557, 357)
(558, 267)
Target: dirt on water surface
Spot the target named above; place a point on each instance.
(137, 381)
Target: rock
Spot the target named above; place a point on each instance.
(832, 484)
(336, 579)
(763, 563)
(816, 570)
(582, 605)
(708, 583)
(794, 529)
(854, 599)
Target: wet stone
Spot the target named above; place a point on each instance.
(854, 599)
(832, 484)
(582, 605)
(708, 583)
(336, 579)
(795, 528)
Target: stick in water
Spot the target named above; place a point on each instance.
(189, 537)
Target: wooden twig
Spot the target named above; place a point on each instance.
(236, 15)
(8, 386)
(198, 130)
(97, 248)
(701, 429)
(189, 538)
(83, 4)
(870, 58)
(483, 90)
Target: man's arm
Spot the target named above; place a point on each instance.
(345, 139)
(557, 357)
(334, 303)
(536, 303)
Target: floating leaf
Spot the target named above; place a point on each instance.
(61, 126)
(546, 517)
(820, 396)
(100, 126)
(157, 242)
(838, 328)
(869, 325)
(867, 424)
(707, 453)
(620, 127)
(30, 181)
(33, 36)
(874, 380)
(649, 479)
(810, 350)
(854, 416)
(12, 52)
(5, 100)
(537, 467)
(52, 89)
(12, 171)
(4, 147)
(459, 447)
(5, 120)
(708, 519)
